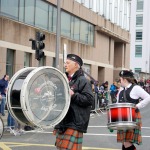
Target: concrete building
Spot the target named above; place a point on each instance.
(98, 34)
(140, 45)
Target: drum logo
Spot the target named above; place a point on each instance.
(48, 96)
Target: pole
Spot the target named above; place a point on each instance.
(64, 56)
(57, 35)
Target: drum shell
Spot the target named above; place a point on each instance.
(121, 116)
(14, 95)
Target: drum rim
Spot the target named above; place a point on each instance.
(122, 125)
(118, 105)
(10, 84)
(25, 103)
(1, 120)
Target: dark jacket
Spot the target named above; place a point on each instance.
(78, 114)
(124, 96)
(3, 86)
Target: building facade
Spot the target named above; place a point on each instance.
(98, 38)
(140, 45)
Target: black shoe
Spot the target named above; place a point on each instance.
(123, 148)
(28, 128)
(132, 147)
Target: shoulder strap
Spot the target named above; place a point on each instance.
(124, 95)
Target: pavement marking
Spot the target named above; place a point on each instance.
(107, 127)
(3, 146)
(13, 144)
(92, 148)
(100, 134)
(145, 136)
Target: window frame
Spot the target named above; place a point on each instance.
(138, 16)
(138, 54)
(137, 37)
(138, 2)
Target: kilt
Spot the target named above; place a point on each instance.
(134, 135)
(69, 140)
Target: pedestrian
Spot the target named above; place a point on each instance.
(130, 93)
(69, 132)
(3, 90)
(103, 92)
(113, 91)
(10, 121)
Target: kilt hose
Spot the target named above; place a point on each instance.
(69, 140)
(134, 135)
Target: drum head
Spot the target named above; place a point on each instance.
(45, 97)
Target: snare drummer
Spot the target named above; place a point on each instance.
(131, 93)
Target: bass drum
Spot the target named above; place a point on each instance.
(1, 127)
(38, 96)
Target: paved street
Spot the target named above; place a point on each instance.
(97, 138)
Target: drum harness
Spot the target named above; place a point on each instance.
(125, 99)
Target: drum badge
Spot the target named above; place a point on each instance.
(48, 96)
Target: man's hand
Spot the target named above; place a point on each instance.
(71, 92)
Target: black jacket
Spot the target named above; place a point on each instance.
(78, 114)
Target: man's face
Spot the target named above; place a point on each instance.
(7, 78)
(70, 66)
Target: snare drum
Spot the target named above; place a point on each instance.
(121, 116)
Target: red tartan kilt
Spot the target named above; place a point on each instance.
(71, 139)
(134, 135)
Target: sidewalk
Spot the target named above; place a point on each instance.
(4, 118)
(16, 130)
(7, 130)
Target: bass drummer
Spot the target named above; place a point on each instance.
(131, 93)
(69, 132)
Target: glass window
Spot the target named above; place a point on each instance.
(27, 58)
(91, 35)
(139, 5)
(10, 62)
(42, 62)
(137, 70)
(72, 26)
(29, 11)
(10, 8)
(50, 11)
(84, 32)
(21, 10)
(139, 20)
(75, 28)
(138, 35)
(65, 24)
(52, 18)
(41, 14)
(138, 50)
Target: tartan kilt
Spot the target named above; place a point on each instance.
(134, 135)
(69, 140)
